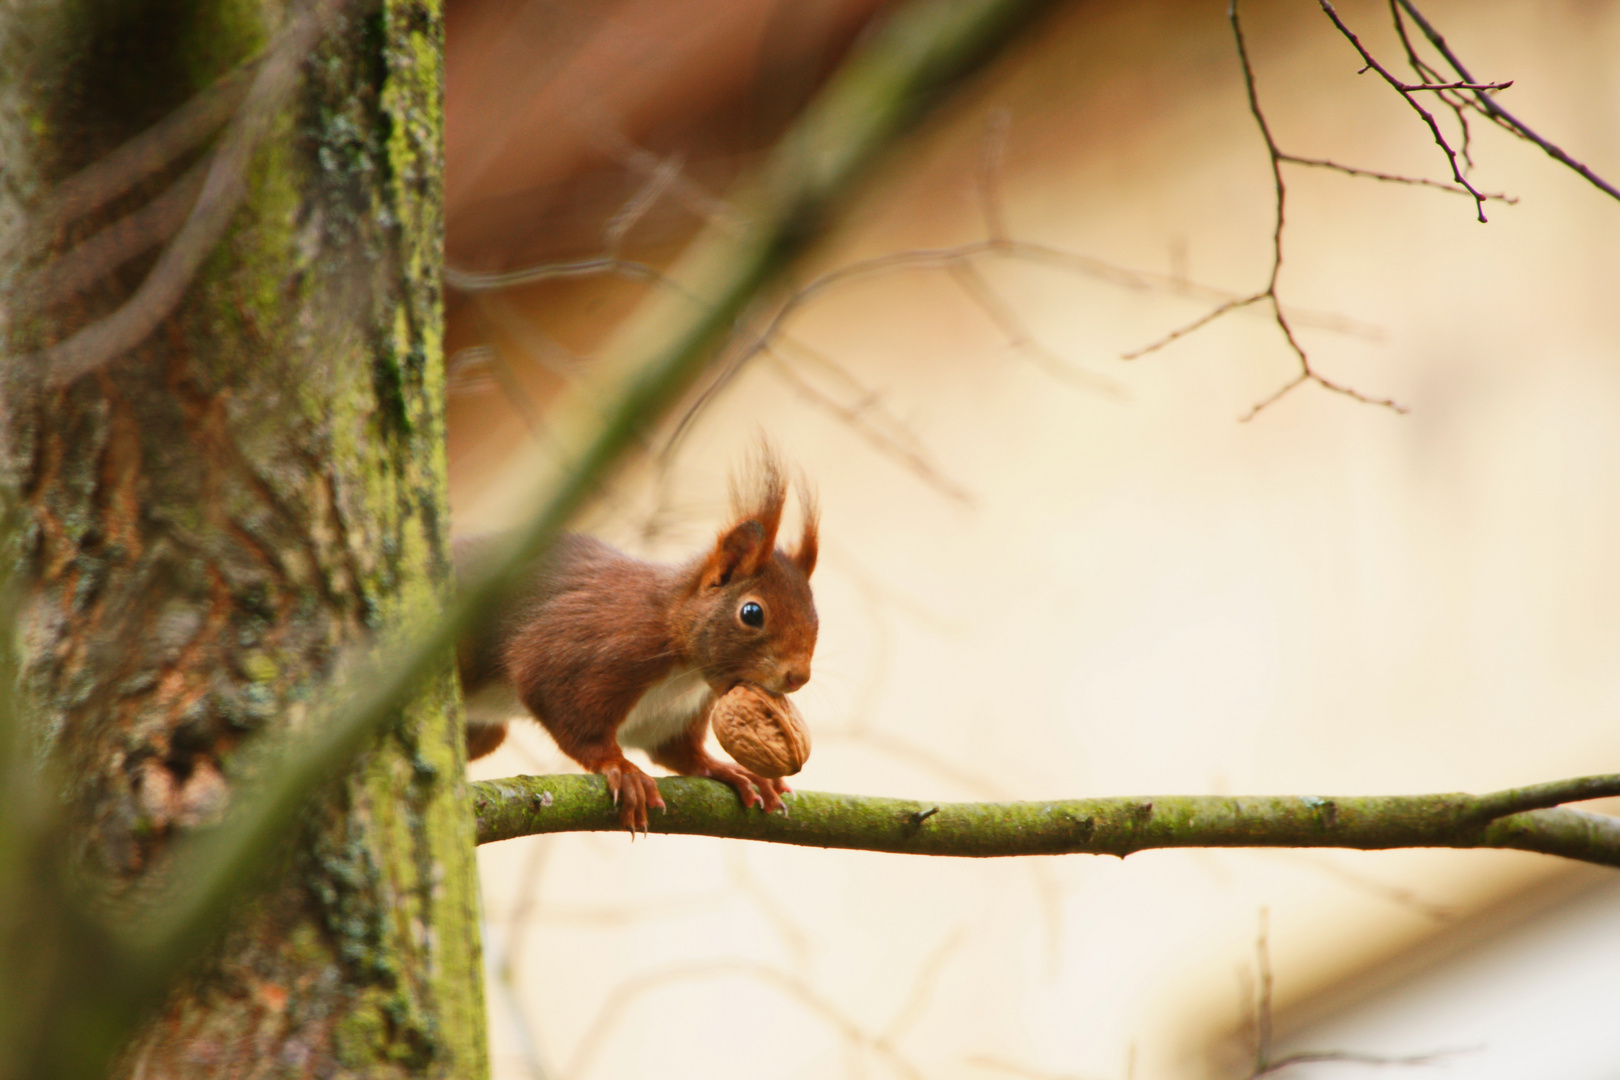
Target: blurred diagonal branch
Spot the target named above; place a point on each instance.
(1526, 819)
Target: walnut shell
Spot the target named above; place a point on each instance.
(762, 731)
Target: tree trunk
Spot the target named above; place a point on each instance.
(213, 516)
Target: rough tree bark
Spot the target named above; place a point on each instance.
(212, 517)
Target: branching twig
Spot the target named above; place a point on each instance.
(1490, 108)
(1266, 1065)
(987, 300)
(1396, 178)
(1457, 103)
(1463, 91)
(1268, 295)
(1408, 90)
(858, 418)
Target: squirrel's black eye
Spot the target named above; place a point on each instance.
(752, 614)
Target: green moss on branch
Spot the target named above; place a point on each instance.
(528, 805)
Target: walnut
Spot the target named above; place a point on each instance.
(761, 730)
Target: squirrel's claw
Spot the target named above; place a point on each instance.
(633, 792)
(751, 788)
(774, 790)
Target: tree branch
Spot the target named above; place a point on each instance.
(532, 805)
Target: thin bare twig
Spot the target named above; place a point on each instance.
(858, 417)
(1203, 320)
(1357, 1057)
(697, 199)
(1262, 1003)
(978, 290)
(1407, 91)
(1268, 295)
(1458, 104)
(1459, 93)
(1410, 88)
(484, 287)
(1261, 1019)
(625, 219)
(959, 261)
(1396, 178)
(1496, 113)
(945, 259)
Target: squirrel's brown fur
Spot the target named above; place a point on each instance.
(597, 638)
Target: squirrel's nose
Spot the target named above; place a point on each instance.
(795, 677)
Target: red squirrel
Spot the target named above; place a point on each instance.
(608, 651)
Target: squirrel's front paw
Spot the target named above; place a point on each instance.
(633, 792)
(753, 789)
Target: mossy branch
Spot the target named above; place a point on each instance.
(1526, 819)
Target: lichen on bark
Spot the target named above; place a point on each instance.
(214, 517)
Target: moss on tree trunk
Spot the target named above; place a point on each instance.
(217, 514)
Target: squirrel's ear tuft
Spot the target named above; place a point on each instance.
(758, 496)
(737, 550)
(804, 556)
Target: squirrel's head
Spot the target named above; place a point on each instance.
(752, 616)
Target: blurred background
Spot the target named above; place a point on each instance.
(1049, 571)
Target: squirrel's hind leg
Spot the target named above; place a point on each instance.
(484, 739)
